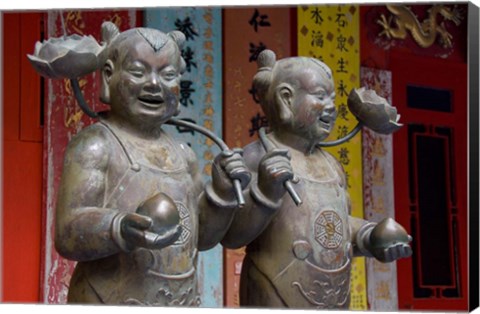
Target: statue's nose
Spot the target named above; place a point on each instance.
(153, 85)
(330, 107)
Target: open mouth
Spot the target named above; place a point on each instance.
(325, 120)
(151, 100)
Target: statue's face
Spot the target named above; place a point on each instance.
(144, 85)
(313, 104)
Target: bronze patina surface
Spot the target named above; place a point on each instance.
(132, 209)
(300, 256)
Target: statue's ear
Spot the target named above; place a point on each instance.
(283, 99)
(107, 72)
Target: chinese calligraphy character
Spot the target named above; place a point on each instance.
(314, 55)
(75, 20)
(208, 124)
(262, 22)
(185, 93)
(239, 102)
(342, 89)
(208, 71)
(208, 58)
(208, 17)
(208, 45)
(115, 19)
(347, 179)
(341, 66)
(258, 122)
(342, 131)
(208, 85)
(187, 55)
(317, 39)
(343, 156)
(341, 40)
(316, 14)
(186, 27)
(253, 92)
(182, 129)
(341, 21)
(208, 33)
(208, 98)
(255, 51)
(343, 112)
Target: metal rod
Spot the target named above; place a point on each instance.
(217, 140)
(347, 137)
(80, 100)
(220, 143)
(269, 146)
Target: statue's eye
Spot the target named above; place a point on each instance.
(136, 72)
(136, 69)
(169, 75)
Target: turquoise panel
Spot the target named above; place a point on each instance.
(201, 102)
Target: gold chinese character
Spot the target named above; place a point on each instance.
(208, 71)
(208, 58)
(208, 33)
(208, 98)
(75, 21)
(208, 85)
(208, 124)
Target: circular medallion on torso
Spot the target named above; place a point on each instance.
(329, 229)
(185, 222)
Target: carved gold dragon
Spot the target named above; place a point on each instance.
(424, 33)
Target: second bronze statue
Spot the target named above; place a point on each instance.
(300, 255)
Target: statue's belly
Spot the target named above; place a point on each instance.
(306, 250)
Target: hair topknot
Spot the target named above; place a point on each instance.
(263, 79)
(266, 59)
(109, 31)
(178, 37)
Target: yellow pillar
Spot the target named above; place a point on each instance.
(331, 33)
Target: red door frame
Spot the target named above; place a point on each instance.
(22, 161)
(445, 75)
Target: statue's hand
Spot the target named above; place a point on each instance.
(388, 241)
(227, 166)
(159, 241)
(135, 232)
(273, 171)
(133, 227)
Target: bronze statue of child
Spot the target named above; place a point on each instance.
(132, 209)
(300, 256)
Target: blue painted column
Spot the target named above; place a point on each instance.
(201, 102)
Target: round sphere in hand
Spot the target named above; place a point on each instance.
(388, 233)
(163, 212)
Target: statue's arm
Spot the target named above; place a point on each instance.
(249, 221)
(386, 241)
(217, 200)
(264, 197)
(83, 229)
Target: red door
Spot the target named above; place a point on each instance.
(430, 164)
(22, 161)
